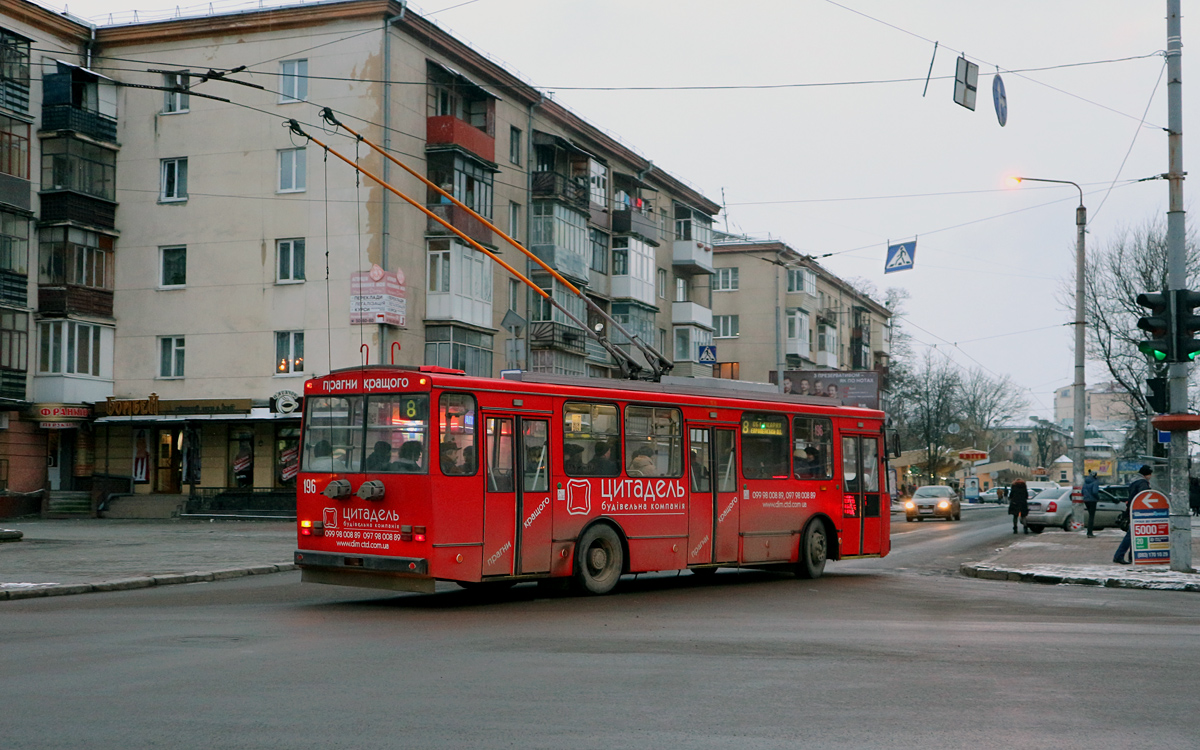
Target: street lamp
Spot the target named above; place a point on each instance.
(1080, 417)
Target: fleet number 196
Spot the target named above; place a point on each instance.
(310, 486)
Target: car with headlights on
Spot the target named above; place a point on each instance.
(935, 501)
(1050, 508)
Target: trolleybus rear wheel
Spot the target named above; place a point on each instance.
(599, 559)
(814, 547)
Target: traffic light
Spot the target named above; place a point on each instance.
(1157, 398)
(1158, 323)
(1187, 323)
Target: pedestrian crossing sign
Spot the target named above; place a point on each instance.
(900, 257)
(708, 355)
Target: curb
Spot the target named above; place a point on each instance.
(993, 573)
(141, 582)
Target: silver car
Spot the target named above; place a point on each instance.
(1050, 508)
(933, 502)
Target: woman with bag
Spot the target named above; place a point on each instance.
(1018, 503)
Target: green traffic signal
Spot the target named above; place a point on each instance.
(1187, 324)
(1156, 349)
(1158, 323)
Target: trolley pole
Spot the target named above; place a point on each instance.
(1177, 373)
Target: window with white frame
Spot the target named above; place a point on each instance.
(514, 294)
(514, 220)
(802, 280)
(439, 266)
(662, 283)
(634, 258)
(598, 182)
(293, 80)
(466, 179)
(682, 288)
(68, 347)
(688, 340)
(292, 167)
(827, 339)
(290, 269)
(172, 267)
(726, 326)
(175, 96)
(725, 280)
(170, 357)
(174, 180)
(289, 352)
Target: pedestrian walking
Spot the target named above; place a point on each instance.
(1141, 484)
(1091, 496)
(1018, 503)
(1194, 495)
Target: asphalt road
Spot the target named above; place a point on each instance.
(891, 653)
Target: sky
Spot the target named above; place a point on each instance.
(846, 168)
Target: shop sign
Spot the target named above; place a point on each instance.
(131, 407)
(285, 402)
(377, 296)
(60, 412)
(1150, 528)
(59, 425)
(153, 406)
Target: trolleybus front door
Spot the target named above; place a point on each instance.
(713, 508)
(862, 525)
(516, 518)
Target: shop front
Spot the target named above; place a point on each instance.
(199, 456)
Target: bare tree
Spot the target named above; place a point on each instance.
(987, 402)
(929, 406)
(1133, 261)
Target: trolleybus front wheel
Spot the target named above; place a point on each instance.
(599, 559)
(814, 547)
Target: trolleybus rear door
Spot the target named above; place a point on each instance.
(702, 502)
(517, 511)
(725, 484)
(862, 526)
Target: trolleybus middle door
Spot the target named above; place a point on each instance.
(861, 500)
(517, 514)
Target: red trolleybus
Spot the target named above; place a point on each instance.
(415, 475)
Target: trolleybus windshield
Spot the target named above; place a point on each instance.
(386, 433)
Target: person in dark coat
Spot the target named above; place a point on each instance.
(1194, 495)
(1141, 484)
(1091, 496)
(1018, 503)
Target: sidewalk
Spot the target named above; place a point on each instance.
(1055, 557)
(53, 558)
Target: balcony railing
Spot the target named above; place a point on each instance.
(14, 288)
(628, 220)
(70, 298)
(566, 189)
(690, 313)
(548, 335)
(572, 265)
(448, 130)
(459, 219)
(692, 256)
(82, 121)
(12, 384)
(67, 205)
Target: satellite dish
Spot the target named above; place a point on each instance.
(953, 428)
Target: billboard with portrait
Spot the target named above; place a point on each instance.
(848, 387)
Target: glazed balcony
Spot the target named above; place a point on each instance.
(560, 187)
(448, 130)
(459, 219)
(628, 220)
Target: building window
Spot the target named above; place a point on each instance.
(662, 341)
(176, 98)
(599, 250)
(460, 349)
(727, 370)
(466, 179)
(293, 80)
(70, 347)
(14, 147)
(173, 263)
(725, 280)
(174, 180)
(514, 220)
(514, 294)
(292, 163)
(14, 340)
(14, 71)
(71, 164)
(289, 352)
(14, 243)
(170, 360)
(439, 266)
(662, 283)
(634, 258)
(726, 326)
(514, 145)
(67, 255)
(598, 182)
(692, 225)
(681, 289)
(688, 340)
(802, 280)
(291, 261)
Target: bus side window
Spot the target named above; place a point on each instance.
(812, 448)
(653, 442)
(726, 461)
(591, 440)
(537, 455)
(456, 446)
(698, 460)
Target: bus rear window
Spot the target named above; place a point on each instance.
(397, 434)
(333, 433)
(765, 446)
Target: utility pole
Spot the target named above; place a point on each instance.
(779, 358)
(1177, 373)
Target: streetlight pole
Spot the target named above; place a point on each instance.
(1080, 415)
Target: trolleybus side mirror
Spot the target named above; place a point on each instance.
(892, 441)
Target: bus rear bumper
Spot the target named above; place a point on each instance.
(367, 571)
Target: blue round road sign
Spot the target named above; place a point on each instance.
(1000, 99)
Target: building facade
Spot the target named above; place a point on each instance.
(195, 260)
(1107, 402)
(817, 321)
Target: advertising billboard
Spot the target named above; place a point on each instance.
(849, 387)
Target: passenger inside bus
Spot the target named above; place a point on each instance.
(642, 462)
(380, 458)
(410, 457)
(535, 469)
(323, 459)
(808, 464)
(449, 460)
(468, 460)
(699, 472)
(602, 463)
(573, 459)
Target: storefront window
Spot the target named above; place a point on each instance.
(287, 456)
(241, 456)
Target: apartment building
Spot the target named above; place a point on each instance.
(1107, 402)
(198, 260)
(764, 287)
